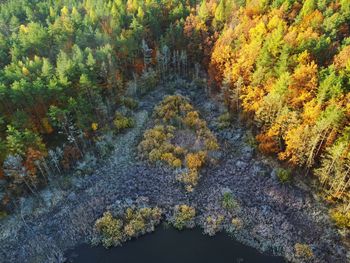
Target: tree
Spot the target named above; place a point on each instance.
(335, 167)
(304, 142)
(219, 17)
(304, 81)
(47, 69)
(308, 7)
(33, 40)
(203, 12)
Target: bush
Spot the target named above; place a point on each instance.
(211, 143)
(151, 214)
(134, 222)
(156, 145)
(121, 122)
(236, 223)
(341, 217)
(224, 120)
(189, 178)
(193, 121)
(251, 140)
(228, 201)
(213, 224)
(135, 226)
(195, 161)
(147, 82)
(303, 251)
(184, 216)
(284, 175)
(130, 103)
(172, 110)
(171, 159)
(105, 144)
(177, 163)
(110, 229)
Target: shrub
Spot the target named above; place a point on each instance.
(140, 221)
(195, 161)
(236, 223)
(341, 217)
(228, 201)
(224, 120)
(303, 251)
(177, 163)
(211, 143)
(213, 224)
(284, 175)
(168, 157)
(155, 145)
(184, 216)
(134, 222)
(110, 229)
(251, 141)
(172, 110)
(147, 82)
(192, 120)
(105, 144)
(153, 214)
(130, 103)
(190, 179)
(179, 151)
(94, 126)
(122, 122)
(135, 226)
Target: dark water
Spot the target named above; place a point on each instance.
(172, 246)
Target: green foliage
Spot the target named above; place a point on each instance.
(284, 175)
(295, 88)
(112, 231)
(18, 141)
(130, 103)
(183, 217)
(341, 217)
(147, 82)
(122, 122)
(251, 140)
(224, 120)
(308, 7)
(203, 11)
(63, 67)
(228, 201)
(219, 16)
(285, 63)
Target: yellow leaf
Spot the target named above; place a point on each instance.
(94, 126)
(25, 71)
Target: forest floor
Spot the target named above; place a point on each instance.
(274, 216)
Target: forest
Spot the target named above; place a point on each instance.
(281, 66)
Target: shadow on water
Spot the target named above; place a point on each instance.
(172, 246)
